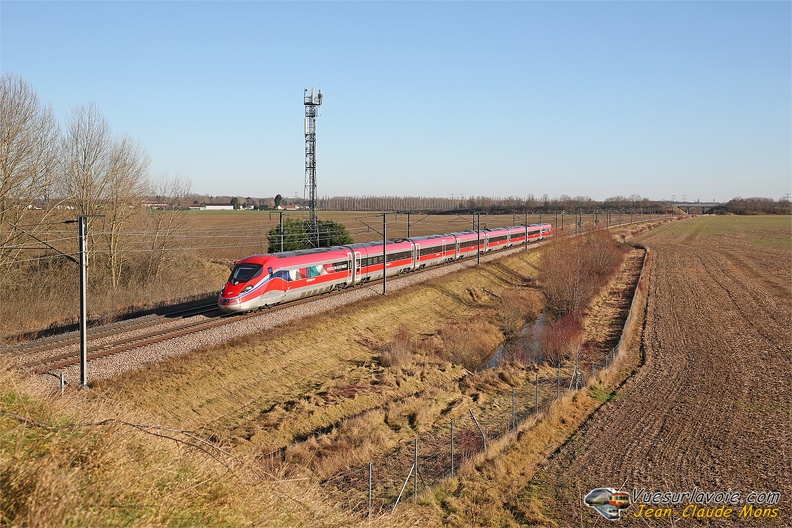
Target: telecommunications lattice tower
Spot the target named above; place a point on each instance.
(312, 103)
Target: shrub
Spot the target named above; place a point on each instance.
(471, 344)
(297, 234)
(573, 269)
(516, 309)
(562, 340)
(400, 351)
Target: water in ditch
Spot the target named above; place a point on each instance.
(525, 347)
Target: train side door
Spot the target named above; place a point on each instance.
(350, 275)
(357, 277)
(417, 255)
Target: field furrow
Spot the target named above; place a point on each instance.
(711, 407)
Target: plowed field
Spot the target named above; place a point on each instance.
(711, 408)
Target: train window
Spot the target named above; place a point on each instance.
(399, 256)
(339, 266)
(430, 250)
(282, 274)
(245, 272)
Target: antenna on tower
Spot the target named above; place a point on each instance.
(312, 103)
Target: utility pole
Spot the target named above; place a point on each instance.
(384, 254)
(82, 227)
(478, 231)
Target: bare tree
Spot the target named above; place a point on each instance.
(166, 220)
(573, 269)
(28, 150)
(565, 279)
(86, 160)
(127, 180)
(103, 176)
(562, 340)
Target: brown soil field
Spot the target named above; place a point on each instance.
(233, 235)
(711, 407)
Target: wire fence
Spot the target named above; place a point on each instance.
(439, 454)
(425, 461)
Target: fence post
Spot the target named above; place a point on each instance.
(402, 489)
(558, 382)
(483, 436)
(537, 393)
(369, 502)
(452, 448)
(415, 481)
(513, 420)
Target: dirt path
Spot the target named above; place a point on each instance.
(711, 409)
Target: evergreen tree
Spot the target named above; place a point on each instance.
(297, 234)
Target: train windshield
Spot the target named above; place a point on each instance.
(245, 272)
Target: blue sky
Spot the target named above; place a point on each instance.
(435, 98)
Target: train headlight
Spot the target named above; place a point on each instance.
(247, 288)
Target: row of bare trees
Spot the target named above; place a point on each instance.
(29, 142)
(488, 204)
(51, 175)
(572, 269)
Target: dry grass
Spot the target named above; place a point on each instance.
(401, 351)
(518, 308)
(52, 292)
(470, 343)
(87, 465)
(294, 408)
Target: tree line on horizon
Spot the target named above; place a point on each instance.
(496, 205)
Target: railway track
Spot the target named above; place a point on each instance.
(60, 352)
(73, 339)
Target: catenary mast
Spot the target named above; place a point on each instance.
(312, 103)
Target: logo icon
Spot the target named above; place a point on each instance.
(608, 502)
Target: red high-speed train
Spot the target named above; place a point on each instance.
(265, 280)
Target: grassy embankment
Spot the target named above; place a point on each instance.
(330, 392)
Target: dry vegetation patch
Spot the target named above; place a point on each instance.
(309, 405)
(321, 379)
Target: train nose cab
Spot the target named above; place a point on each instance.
(238, 293)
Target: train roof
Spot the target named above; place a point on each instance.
(312, 251)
